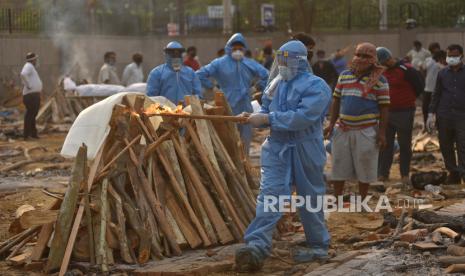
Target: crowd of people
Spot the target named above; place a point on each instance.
(367, 104)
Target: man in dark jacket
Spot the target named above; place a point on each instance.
(325, 69)
(405, 85)
(448, 110)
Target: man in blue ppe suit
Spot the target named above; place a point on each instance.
(173, 79)
(293, 154)
(235, 75)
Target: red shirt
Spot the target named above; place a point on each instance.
(401, 87)
(192, 63)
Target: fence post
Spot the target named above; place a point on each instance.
(10, 28)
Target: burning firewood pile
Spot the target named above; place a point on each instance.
(151, 192)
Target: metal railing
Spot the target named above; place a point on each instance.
(320, 15)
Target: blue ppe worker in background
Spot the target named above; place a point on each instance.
(235, 75)
(293, 154)
(173, 79)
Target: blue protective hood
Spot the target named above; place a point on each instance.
(297, 48)
(237, 37)
(174, 45)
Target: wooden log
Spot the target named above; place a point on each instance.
(44, 235)
(134, 218)
(20, 259)
(168, 158)
(79, 214)
(234, 145)
(146, 212)
(38, 218)
(228, 208)
(205, 197)
(203, 132)
(200, 211)
(167, 150)
(19, 247)
(67, 211)
(155, 205)
(102, 243)
(183, 222)
(159, 190)
(181, 195)
(455, 250)
(240, 190)
(18, 239)
(455, 268)
(44, 109)
(90, 231)
(121, 153)
(121, 227)
(234, 119)
(426, 216)
(448, 232)
(42, 241)
(448, 260)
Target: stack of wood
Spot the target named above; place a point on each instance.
(149, 194)
(62, 108)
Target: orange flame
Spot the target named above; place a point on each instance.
(159, 109)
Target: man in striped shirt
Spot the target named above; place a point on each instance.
(360, 109)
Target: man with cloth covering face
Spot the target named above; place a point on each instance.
(360, 109)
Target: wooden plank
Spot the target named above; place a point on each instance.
(208, 204)
(102, 243)
(184, 223)
(238, 227)
(42, 241)
(38, 218)
(155, 204)
(79, 214)
(44, 235)
(67, 211)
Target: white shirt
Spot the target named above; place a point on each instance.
(108, 72)
(418, 58)
(30, 79)
(432, 70)
(132, 74)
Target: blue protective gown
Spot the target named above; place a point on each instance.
(164, 81)
(293, 154)
(235, 79)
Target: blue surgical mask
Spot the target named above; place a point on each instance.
(176, 63)
(285, 72)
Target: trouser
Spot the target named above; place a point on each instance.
(425, 105)
(400, 123)
(32, 103)
(451, 135)
(284, 164)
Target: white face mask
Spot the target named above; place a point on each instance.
(452, 61)
(285, 72)
(237, 55)
(176, 63)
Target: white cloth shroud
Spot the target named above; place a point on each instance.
(91, 127)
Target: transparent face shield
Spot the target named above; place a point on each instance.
(285, 59)
(174, 58)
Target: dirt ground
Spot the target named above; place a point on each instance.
(28, 185)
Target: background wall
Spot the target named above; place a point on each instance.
(89, 50)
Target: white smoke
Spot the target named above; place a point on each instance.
(62, 19)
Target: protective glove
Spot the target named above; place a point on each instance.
(430, 122)
(259, 119)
